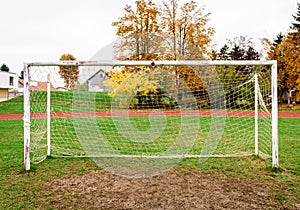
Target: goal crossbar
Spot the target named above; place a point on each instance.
(157, 63)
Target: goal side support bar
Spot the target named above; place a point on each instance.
(275, 161)
(26, 119)
(48, 115)
(256, 114)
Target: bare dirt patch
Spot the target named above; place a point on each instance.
(171, 190)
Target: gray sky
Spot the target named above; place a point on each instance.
(42, 30)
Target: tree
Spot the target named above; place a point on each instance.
(70, 74)
(188, 37)
(139, 31)
(238, 48)
(295, 36)
(21, 75)
(140, 39)
(187, 30)
(140, 84)
(296, 24)
(286, 50)
(278, 39)
(224, 53)
(4, 68)
(169, 32)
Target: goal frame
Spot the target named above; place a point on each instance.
(271, 63)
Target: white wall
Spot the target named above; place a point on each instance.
(5, 80)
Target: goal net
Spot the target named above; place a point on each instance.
(149, 114)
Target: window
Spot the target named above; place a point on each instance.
(11, 81)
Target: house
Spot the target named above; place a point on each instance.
(297, 96)
(95, 82)
(60, 88)
(290, 97)
(8, 81)
(36, 86)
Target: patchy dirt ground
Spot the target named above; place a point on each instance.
(172, 190)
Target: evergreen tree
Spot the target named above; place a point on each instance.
(21, 75)
(4, 68)
(296, 24)
(278, 39)
(224, 53)
(239, 48)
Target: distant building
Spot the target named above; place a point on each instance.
(36, 86)
(297, 96)
(292, 96)
(62, 89)
(95, 82)
(8, 82)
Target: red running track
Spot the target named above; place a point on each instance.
(146, 113)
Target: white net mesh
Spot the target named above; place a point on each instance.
(164, 113)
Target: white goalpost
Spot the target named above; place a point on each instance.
(136, 113)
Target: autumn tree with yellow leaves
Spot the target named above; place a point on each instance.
(139, 30)
(138, 83)
(70, 74)
(286, 50)
(189, 37)
(186, 26)
(168, 30)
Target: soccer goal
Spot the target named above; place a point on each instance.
(150, 110)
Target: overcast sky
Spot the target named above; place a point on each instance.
(42, 30)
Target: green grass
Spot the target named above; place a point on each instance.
(289, 144)
(21, 190)
(13, 106)
(68, 135)
(60, 102)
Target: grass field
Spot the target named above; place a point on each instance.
(26, 190)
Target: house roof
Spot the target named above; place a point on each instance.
(101, 70)
(40, 86)
(8, 72)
